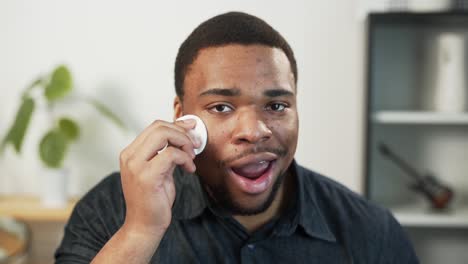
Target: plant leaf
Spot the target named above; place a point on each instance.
(60, 84)
(69, 128)
(17, 131)
(105, 111)
(52, 148)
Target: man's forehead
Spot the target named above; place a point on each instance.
(227, 70)
(233, 59)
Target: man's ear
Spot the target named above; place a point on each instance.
(178, 109)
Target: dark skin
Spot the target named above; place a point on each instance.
(246, 96)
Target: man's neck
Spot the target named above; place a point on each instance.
(278, 206)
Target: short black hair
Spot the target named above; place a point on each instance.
(225, 29)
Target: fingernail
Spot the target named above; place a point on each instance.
(189, 121)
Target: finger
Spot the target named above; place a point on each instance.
(187, 124)
(163, 137)
(181, 126)
(166, 162)
(190, 126)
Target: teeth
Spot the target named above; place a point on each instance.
(263, 162)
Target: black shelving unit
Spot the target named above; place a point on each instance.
(398, 81)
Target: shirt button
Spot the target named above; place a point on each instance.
(251, 246)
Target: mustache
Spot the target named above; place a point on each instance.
(280, 152)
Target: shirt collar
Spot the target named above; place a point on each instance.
(191, 198)
(191, 201)
(309, 215)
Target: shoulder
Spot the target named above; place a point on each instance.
(94, 220)
(355, 221)
(102, 208)
(106, 197)
(331, 194)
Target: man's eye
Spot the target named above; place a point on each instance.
(277, 107)
(221, 108)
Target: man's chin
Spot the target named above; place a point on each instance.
(251, 208)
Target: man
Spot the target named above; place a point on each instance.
(244, 198)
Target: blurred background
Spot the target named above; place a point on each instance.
(369, 72)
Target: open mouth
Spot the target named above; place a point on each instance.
(253, 177)
(252, 171)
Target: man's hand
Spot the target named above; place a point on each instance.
(146, 168)
(146, 174)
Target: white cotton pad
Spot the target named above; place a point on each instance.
(198, 132)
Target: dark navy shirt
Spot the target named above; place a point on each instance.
(327, 223)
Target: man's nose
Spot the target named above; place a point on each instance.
(250, 128)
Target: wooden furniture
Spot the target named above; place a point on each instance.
(46, 225)
(11, 243)
(29, 208)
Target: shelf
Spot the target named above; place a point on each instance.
(419, 216)
(416, 117)
(29, 208)
(403, 72)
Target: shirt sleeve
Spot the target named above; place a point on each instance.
(94, 220)
(396, 247)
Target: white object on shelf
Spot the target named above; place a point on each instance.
(417, 117)
(450, 90)
(420, 216)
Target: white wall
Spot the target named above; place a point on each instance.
(123, 52)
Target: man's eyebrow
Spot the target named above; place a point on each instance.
(277, 92)
(221, 91)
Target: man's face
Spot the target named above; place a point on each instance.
(246, 96)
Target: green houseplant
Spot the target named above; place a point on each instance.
(54, 144)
